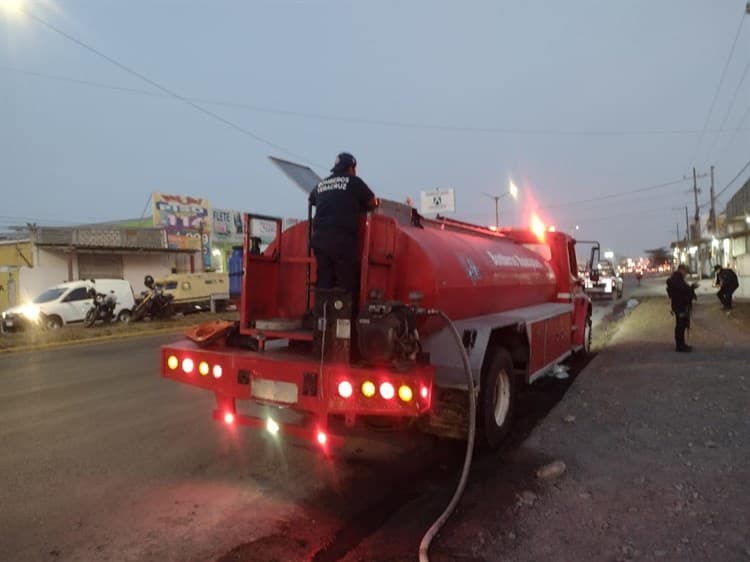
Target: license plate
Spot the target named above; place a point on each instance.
(277, 391)
(9, 323)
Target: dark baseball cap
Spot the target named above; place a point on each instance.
(343, 161)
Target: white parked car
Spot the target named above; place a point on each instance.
(67, 303)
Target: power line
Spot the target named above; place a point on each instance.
(736, 132)
(658, 210)
(716, 93)
(745, 167)
(729, 110)
(364, 121)
(164, 89)
(614, 195)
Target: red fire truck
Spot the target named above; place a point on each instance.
(315, 364)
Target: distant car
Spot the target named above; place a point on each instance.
(604, 280)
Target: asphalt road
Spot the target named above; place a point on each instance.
(104, 460)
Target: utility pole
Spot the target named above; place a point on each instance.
(497, 207)
(697, 217)
(712, 212)
(678, 233)
(688, 236)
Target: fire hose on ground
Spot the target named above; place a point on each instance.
(424, 545)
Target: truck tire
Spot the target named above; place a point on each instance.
(497, 399)
(587, 336)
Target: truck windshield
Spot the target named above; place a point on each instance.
(49, 295)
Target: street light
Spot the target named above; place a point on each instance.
(12, 7)
(512, 191)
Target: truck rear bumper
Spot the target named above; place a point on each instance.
(281, 379)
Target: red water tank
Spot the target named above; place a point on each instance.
(464, 271)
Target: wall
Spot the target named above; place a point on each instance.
(50, 268)
(13, 255)
(136, 267)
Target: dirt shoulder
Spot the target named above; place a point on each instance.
(656, 446)
(68, 335)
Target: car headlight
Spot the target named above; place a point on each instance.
(30, 311)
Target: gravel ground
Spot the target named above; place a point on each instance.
(656, 450)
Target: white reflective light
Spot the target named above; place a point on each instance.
(272, 427)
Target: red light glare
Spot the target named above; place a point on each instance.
(188, 365)
(423, 392)
(387, 391)
(322, 438)
(345, 389)
(229, 418)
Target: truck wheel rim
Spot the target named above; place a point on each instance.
(502, 397)
(587, 335)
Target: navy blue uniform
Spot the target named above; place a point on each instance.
(727, 280)
(681, 296)
(339, 201)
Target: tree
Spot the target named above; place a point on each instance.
(658, 256)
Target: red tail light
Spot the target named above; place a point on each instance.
(229, 418)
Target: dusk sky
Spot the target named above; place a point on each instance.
(575, 101)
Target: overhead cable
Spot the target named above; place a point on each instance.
(164, 89)
(614, 195)
(364, 121)
(716, 93)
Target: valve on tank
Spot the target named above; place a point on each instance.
(387, 332)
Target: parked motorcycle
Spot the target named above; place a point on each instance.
(103, 308)
(154, 304)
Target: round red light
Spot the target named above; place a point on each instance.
(423, 392)
(345, 389)
(229, 418)
(188, 365)
(322, 438)
(387, 391)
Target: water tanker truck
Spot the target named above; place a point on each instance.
(318, 364)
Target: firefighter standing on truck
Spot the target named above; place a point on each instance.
(681, 296)
(339, 201)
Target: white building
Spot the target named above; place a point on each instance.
(68, 254)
